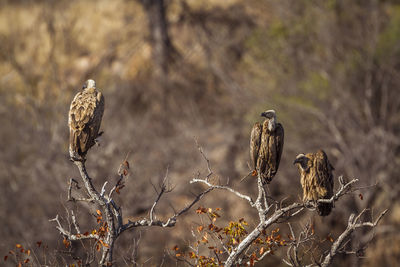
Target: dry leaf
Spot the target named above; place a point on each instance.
(66, 243)
(126, 164)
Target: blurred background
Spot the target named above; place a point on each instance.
(176, 71)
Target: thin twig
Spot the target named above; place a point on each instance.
(162, 191)
(205, 158)
(196, 180)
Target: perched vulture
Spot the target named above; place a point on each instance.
(84, 120)
(316, 179)
(266, 145)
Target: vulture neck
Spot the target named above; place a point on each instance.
(91, 90)
(271, 124)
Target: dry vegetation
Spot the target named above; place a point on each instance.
(331, 70)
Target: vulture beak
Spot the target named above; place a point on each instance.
(302, 160)
(268, 114)
(297, 161)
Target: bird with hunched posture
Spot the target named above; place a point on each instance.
(266, 146)
(84, 120)
(316, 179)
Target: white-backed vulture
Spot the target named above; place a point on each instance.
(84, 120)
(266, 146)
(316, 179)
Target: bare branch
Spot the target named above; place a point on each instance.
(269, 211)
(88, 183)
(344, 189)
(293, 251)
(352, 225)
(280, 212)
(117, 184)
(162, 191)
(170, 222)
(258, 230)
(122, 171)
(75, 222)
(247, 175)
(108, 207)
(103, 189)
(195, 200)
(196, 180)
(69, 235)
(70, 197)
(205, 158)
(261, 198)
(70, 189)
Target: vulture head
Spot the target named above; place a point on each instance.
(302, 160)
(89, 84)
(271, 115)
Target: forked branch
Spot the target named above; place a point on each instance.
(353, 224)
(110, 215)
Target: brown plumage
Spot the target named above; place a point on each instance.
(316, 178)
(266, 146)
(84, 120)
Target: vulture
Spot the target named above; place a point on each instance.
(316, 179)
(84, 120)
(266, 145)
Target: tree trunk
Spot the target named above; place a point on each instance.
(158, 27)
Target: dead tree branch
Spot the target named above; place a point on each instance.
(353, 224)
(113, 219)
(222, 187)
(269, 212)
(263, 208)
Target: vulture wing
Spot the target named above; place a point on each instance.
(270, 151)
(278, 142)
(264, 153)
(85, 116)
(255, 140)
(324, 181)
(324, 172)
